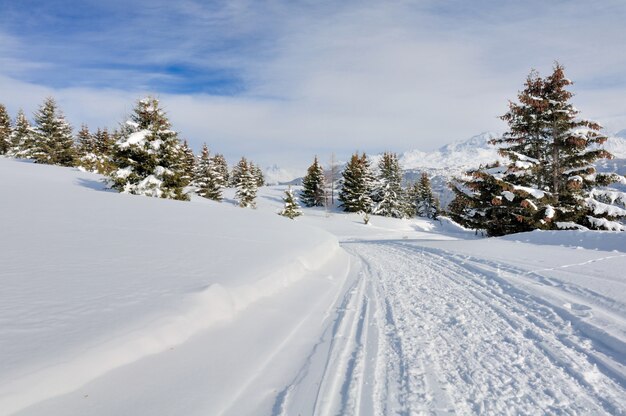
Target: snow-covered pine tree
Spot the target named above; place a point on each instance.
(427, 204)
(54, 143)
(246, 184)
(312, 194)
(552, 154)
(358, 181)
(207, 177)
(189, 163)
(258, 175)
(86, 149)
(22, 138)
(5, 130)
(148, 154)
(291, 208)
(222, 168)
(388, 195)
(411, 194)
(482, 202)
(103, 151)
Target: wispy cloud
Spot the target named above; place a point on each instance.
(281, 81)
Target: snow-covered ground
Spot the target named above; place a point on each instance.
(116, 304)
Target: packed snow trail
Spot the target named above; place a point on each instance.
(423, 333)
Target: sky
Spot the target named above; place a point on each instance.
(282, 81)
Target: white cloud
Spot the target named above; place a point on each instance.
(367, 76)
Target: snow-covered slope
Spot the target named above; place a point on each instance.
(117, 304)
(93, 280)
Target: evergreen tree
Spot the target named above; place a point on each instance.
(207, 178)
(86, 149)
(483, 202)
(189, 163)
(246, 184)
(148, 155)
(222, 168)
(412, 195)
(552, 154)
(356, 190)
(291, 208)
(22, 138)
(103, 151)
(312, 194)
(5, 130)
(426, 204)
(551, 181)
(388, 195)
(54, 143)
(258, 175)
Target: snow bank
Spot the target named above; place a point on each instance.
(95, 280)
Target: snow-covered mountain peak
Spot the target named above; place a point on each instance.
(616, 145)
(480, 141)
(460, 154)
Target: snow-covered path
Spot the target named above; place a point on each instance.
(424, 332)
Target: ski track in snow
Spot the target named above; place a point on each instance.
(425, 331)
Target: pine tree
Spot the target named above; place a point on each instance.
(426, 204)
(388, 195)
(246, 184)
(258, 175)
(189, 163)
(54, 143)
(86, 149)
(356, 190)
(412, 195)
(5, 130)
(148, 155)
(291, 208)
(103, 151)
(552, 155)
(222, 168)
(483, 202)
(312, 194)
(207, 178)
(22, 138)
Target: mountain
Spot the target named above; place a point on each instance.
(275, 175)
(455, 158)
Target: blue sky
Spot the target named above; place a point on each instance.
(280, 81)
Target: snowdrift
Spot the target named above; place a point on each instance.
(93, 280)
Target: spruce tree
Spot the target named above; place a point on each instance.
(312, 194)
(103, 151)
(207, 178)
(356, 190)
(246, 184)
(222, 168)
(412, 195)
(291, 208)
(5, 130)
(189, 163)
(22, 138)
(258, 175)
(426, 205)
(483, 202)
(86, 149)
(54, 143)
(552, 153)
(388, 195)
(148, 155)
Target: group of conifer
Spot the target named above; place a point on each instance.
(143, 156)
(550, 181)
(368, 192)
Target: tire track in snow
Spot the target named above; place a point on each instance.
(423, 331)
(546, 337)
